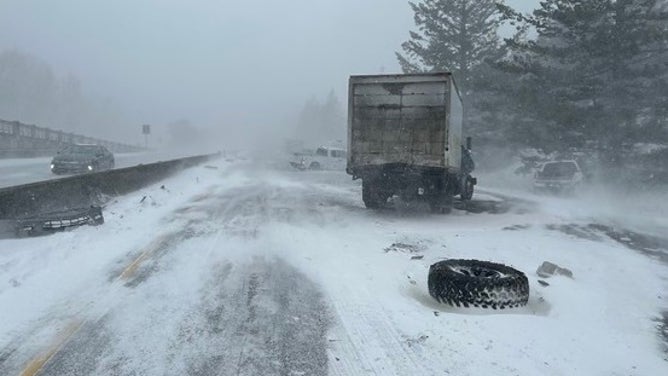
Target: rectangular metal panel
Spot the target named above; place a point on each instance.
(398, 119)
(456, 114)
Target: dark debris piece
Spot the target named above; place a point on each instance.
(48, 223)
(403, 247)
(516, 227)
(548, 269)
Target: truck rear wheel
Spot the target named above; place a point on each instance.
(467, 189)
(373, 197)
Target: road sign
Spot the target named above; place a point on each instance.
(146, 129)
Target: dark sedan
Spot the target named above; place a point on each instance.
(82, 158)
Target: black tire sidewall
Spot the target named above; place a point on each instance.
(456, 289)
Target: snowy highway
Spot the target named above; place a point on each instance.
(239, 269)
(29, 170)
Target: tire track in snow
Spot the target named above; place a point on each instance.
(264, 318)
(370, 343)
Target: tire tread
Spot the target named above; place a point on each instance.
(455, 289)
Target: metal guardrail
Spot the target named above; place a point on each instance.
(78, 191)
(18, 139)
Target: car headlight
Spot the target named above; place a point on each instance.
(90, 168)
(52, 166)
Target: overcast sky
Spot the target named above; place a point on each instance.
(216, 62)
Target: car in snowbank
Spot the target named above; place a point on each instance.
(558, 177)
(324, 158)
(80, 158)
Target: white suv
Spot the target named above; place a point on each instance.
(558, 176)
(324, 158)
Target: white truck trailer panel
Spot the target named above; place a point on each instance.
(408, 119)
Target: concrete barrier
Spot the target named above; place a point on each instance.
(89, 189)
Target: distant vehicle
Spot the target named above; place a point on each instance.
(558, 177)
(405, 139)
(79, 158)
(324, 158)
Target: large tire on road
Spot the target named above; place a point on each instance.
(478, 283)
(373, 197)
(314, 166)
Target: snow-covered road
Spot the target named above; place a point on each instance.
(243, 270)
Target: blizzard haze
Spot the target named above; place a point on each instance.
(390, 247)
(225, 65)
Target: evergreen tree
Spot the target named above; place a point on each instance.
(31, 92)
(459, 36)
(596, 72)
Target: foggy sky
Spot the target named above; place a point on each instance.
(219, 63)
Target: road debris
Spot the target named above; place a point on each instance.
(48, 223)
(548, 269)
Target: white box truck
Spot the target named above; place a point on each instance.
(405, 139)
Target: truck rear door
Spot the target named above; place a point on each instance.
(398, 119)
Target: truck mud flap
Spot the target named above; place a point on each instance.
(48, 223)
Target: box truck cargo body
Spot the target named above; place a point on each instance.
(405, 138)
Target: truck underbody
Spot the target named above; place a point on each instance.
(432, 185)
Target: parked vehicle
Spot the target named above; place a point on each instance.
(405, 139)
(324, 158)
(558, 176)
(78, 158)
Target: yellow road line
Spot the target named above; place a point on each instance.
(37, 364)
(153, 247)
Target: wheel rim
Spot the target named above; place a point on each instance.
(477, 271)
